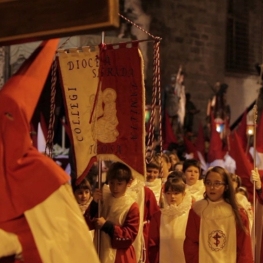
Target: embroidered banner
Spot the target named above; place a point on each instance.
(79, 74)
(120, 107)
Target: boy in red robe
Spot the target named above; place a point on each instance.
(145, 198)
(119, 220)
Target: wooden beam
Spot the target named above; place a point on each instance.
(33, 20)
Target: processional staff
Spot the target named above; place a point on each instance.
(99, 177)
(255, 113)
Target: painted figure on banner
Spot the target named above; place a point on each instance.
(107, 123)
(120, 129)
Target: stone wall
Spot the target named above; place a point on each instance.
(2, 66)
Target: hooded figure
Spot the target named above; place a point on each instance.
(39, 214)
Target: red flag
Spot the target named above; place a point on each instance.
(259, 144)
(215, 151)
(243, 165)
(242, 131)
(227, 132)
(168, 134)
(119, 127)
(200, 140)
(190, 148)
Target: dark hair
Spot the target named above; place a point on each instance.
(83, 185)
(174, 184)
(177, 163)
(191, 162)
(120, 172)
(176, 174)
(229, 193)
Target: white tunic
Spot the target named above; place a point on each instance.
(114, 210)
(156, 187)
(217, 240)
(172, 230)
(197, 190)
(136, 191)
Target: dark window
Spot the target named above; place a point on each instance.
(244, 36)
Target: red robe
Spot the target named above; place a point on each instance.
(146, 200)
(260, 200)
(191, 243)
(150, 208)
(123, 236)
(154, 239)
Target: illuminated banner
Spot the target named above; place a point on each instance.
(120, 107)
(104, 95)
(79, 74)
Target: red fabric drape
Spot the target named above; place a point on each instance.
(242, 131)
(215, 151)
(243, 164)
(168, 134)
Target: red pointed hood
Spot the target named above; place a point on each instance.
(168, 134)
(215, 151)
(242, 131)
(26, 176)
(190, 148)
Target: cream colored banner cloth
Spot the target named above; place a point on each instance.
(79, 74)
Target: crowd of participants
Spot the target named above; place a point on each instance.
(179, 214)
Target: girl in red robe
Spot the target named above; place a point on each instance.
(217, 229)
